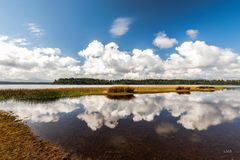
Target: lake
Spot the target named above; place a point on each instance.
(200, 125)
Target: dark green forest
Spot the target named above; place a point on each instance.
(91, 81)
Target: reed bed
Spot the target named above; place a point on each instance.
(47, 94)
(168, 88)
(120, 89)
(53, 94)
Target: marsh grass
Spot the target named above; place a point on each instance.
(120, 89)
(183, 88)
(18, 142)
(178, 89)
(54, 94)
(47, 94)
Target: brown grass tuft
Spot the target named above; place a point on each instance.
(120, 89)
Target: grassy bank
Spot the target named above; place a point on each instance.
(18, 142)
(52, 94)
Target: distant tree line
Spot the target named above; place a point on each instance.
(91, 81)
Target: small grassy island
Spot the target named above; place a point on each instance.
(52, 94)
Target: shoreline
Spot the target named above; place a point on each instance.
(18, 142)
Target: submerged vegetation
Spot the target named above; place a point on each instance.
(18, 142)
(52, 94)
(89, 81)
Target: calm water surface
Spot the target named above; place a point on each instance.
(147, 126)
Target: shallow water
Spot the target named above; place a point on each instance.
(201, 125)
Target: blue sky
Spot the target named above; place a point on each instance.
(72, 25)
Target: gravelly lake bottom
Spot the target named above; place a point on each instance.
(200, 125)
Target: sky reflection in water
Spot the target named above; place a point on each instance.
(152, 126)
(195, 111)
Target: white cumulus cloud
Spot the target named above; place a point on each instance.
(192, 33)
(163, 41)
(200, 60)
(14, 41)
(108, 61)
(20, 63)
(191, 60)
(120, 26)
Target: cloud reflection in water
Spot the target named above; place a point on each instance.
(195, 111)
(40, 112)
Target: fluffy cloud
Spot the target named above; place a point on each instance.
(191, 60)
(35, 29)
(21, 63)
(162, 41)
(192, 33)
(120, 26)
(200, 60)
(108, 61)
(14, 41)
